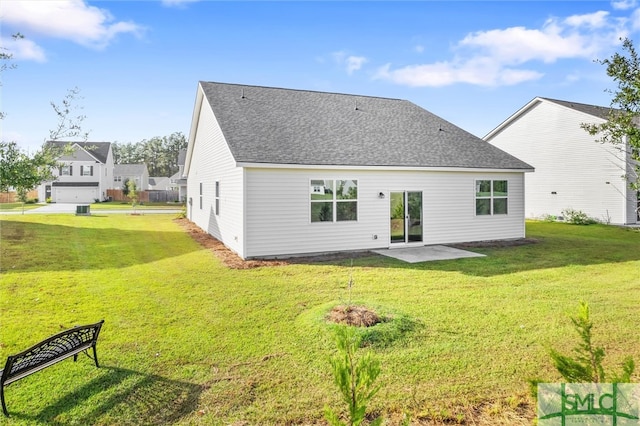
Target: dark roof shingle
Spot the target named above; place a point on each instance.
(286, 126)
(100, 150)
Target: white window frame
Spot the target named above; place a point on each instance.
(335, 201)
(83, 170)
(66, 168)
(492, 197)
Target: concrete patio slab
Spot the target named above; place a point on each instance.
(427, 253)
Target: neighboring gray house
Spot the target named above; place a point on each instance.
(179, 180)
(276, 172)
(135, 172)
(160, 183)
(84, 175)
(572, 169)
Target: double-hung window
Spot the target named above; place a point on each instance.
(333, 200)
(86, 170)
(492, 197)
(66, 170)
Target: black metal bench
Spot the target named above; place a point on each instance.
(48, 352)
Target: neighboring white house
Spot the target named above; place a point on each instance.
(160, 183)
(178, 180)
(572, 169)
(137, 173)
(275, 172)
(84, 176)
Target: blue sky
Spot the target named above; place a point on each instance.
(137, 64)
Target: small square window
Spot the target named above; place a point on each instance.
(491, 197)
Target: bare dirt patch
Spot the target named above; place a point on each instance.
(358, 316)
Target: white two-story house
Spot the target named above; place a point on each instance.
(83, 176)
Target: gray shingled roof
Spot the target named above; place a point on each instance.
(100, 150)
(129, 169)
(285, 126)
(596, 111)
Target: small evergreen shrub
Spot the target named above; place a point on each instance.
(586, 364)
(355, 377)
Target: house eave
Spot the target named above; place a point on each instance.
(251, 165)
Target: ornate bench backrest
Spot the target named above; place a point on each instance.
(51, 350)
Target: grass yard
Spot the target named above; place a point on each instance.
(17, 207)
(187, 340)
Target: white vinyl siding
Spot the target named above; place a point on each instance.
(277, 210)
(212, 162)
(572, 170)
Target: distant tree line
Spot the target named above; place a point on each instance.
(159, 153)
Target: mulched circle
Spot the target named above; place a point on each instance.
(358, 316)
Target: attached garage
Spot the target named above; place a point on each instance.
(75, 194)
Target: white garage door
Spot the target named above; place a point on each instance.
(75, 194)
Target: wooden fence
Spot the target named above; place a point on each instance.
(155, 196)
(12, 197)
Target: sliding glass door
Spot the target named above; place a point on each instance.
(406, 216)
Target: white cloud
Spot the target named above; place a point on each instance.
(72, 20)
(477, 72)
(23, 49)
(419, 48)
(635, 20)
(518, 44)
(349, 62)
(593, 20)
(354, 63)
(503, 57)
(624, 4)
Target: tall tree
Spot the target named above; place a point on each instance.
(621, 129)
(24, 172)
(159, 153)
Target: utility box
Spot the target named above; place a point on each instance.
(83, 210)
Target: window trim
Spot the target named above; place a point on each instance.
(66, 167)
(84, 168)
(335, 201)
(492, 197)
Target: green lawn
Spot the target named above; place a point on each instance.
(188, 341)
(17, 207)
